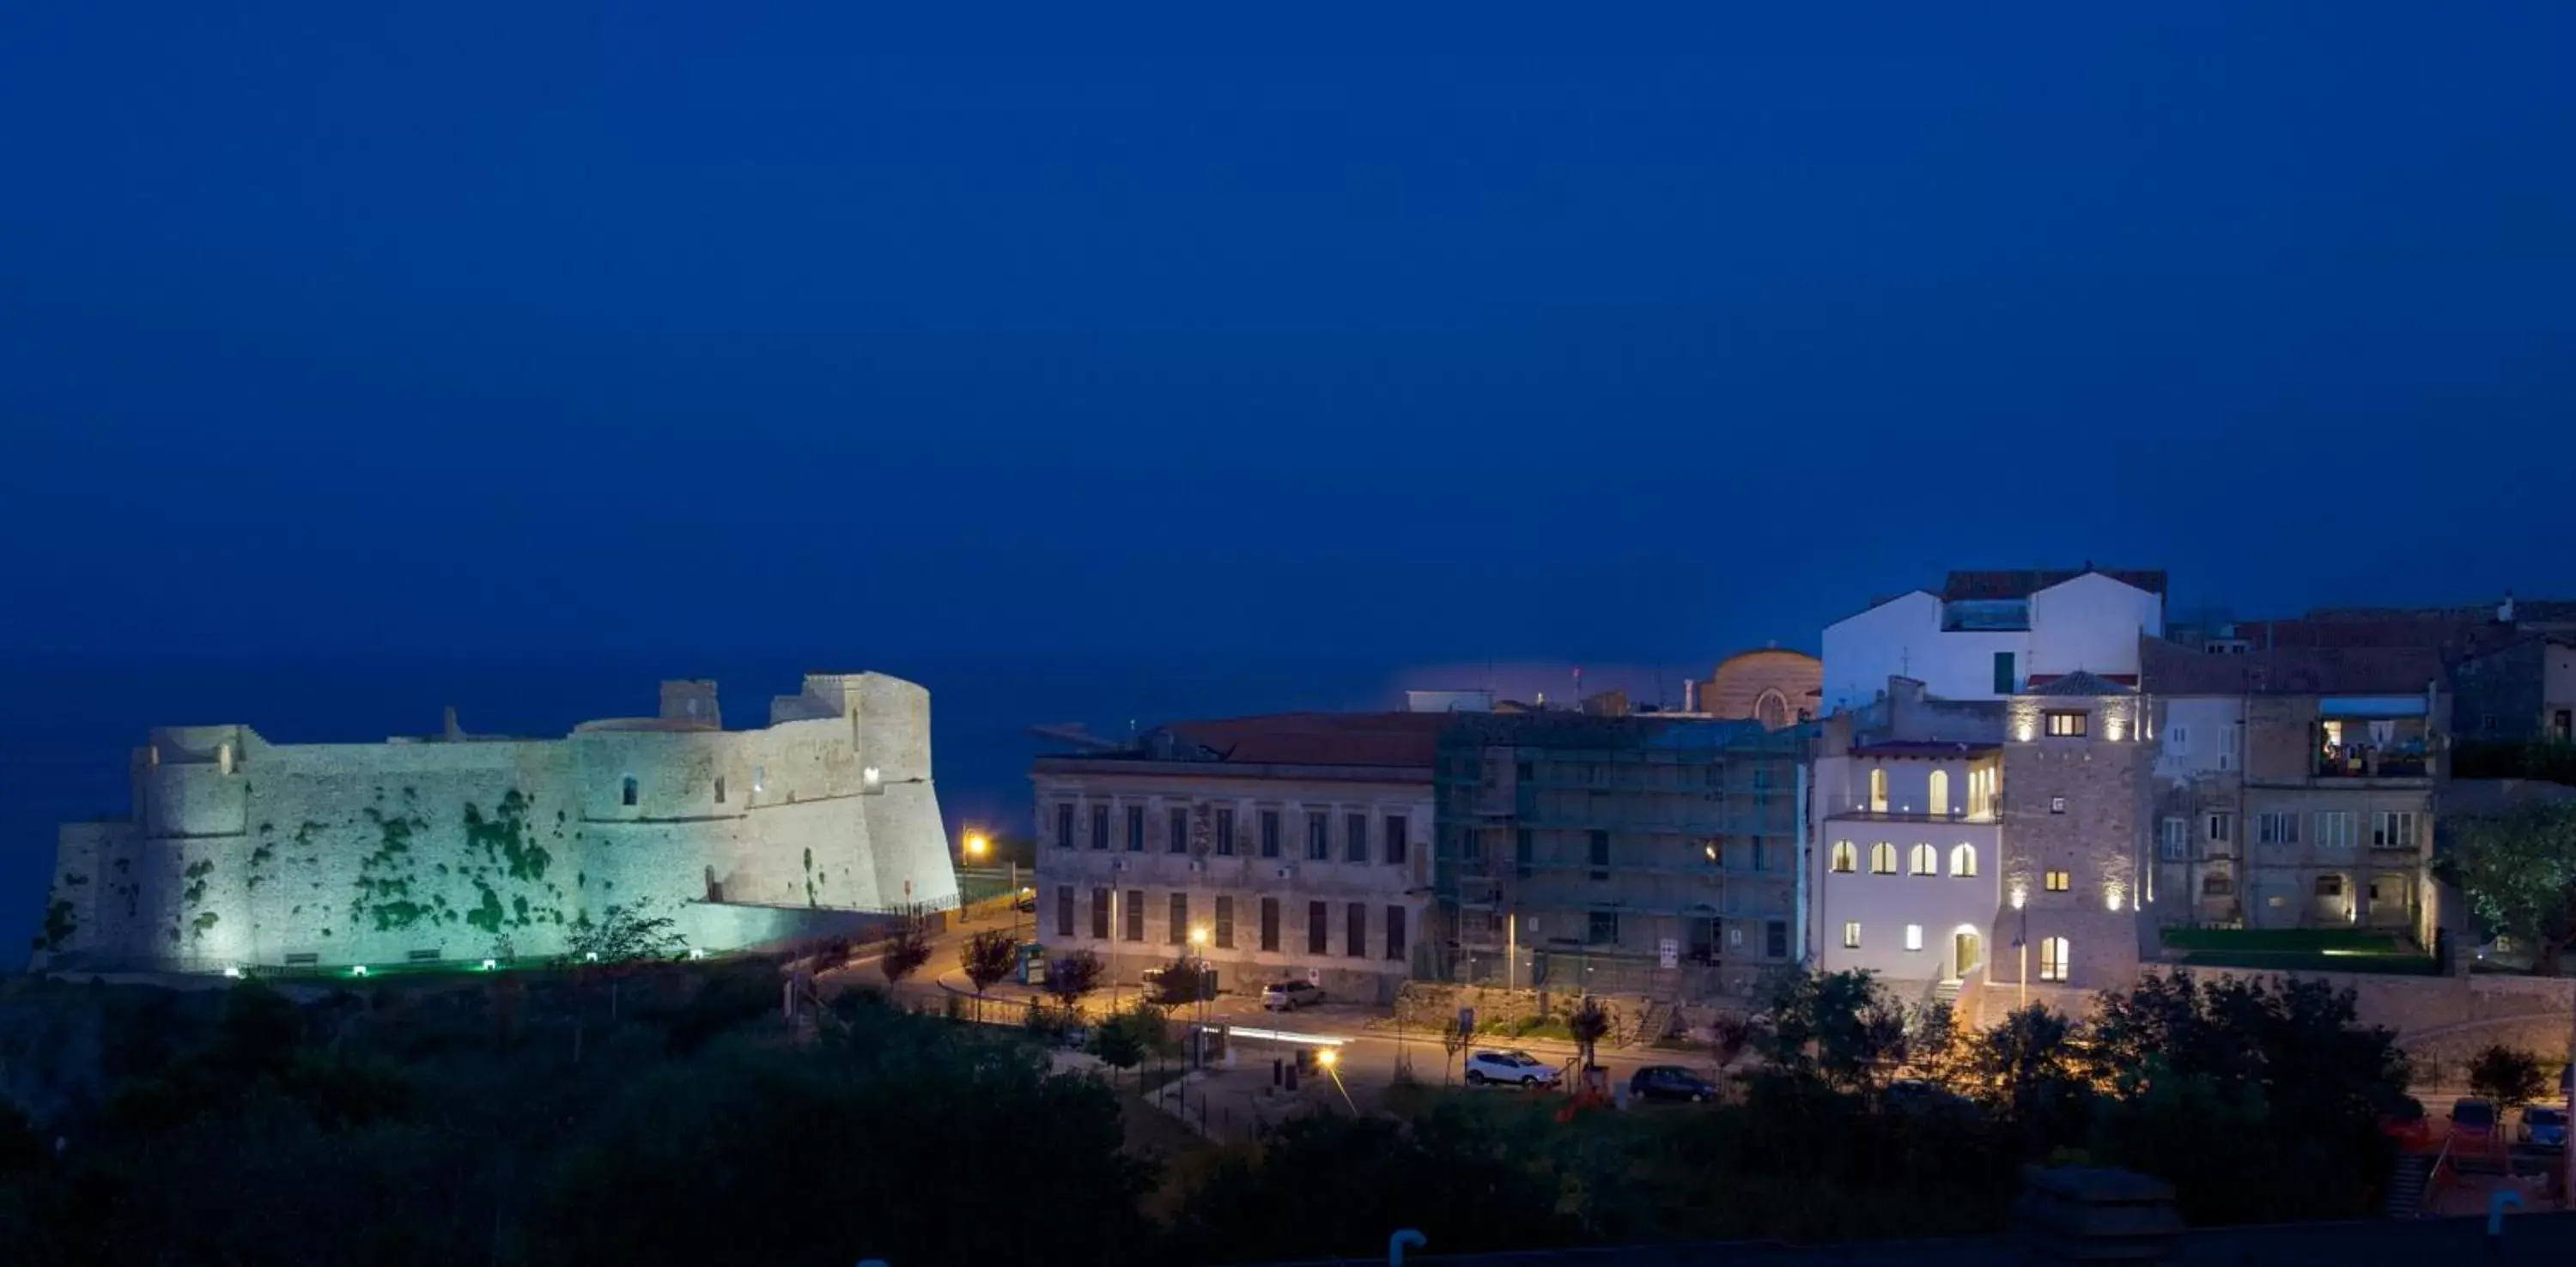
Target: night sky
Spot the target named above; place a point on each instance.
(1485, 331)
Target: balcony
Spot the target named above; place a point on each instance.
(2372, 763)
(1863, 814)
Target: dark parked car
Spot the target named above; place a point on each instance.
(2405, 1123)
(2473, 1121)
(2544, 1127)
(1670, 1082)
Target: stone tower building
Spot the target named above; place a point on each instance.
(2075, 786)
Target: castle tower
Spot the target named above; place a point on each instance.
(2074, 787)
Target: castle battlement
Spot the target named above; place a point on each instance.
(240, 852)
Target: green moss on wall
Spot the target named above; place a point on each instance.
(503, 838)
(488, 914)
(202, 924)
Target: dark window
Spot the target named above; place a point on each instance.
(1317, 848)
(2562, 725)
(1395, 933)
(1600, 855)
(1355, 838)
(2004, 673)
(1270, 833)
(1604, 930)
(1521, 853)
(1471, 846)
(1135, 829)
(1757, 853)
(1355, 931)
(1521, 772)
(1225, 923)
(1180, 929)
(1099, 826)
(719, 791)
(1064, 910)
(1395, 825)
(1775, 939)
(1180, 841)
(1100, 914)
(1317, 919)
(1135, 914)
(1270, 923)
(1064, 826)
(1225, 833)
(629, 791)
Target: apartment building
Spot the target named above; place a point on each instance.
(1907, 807)
(1297, 844)
(1985, 635)
(2296, 787)
(1635, 855)
(2522, 691)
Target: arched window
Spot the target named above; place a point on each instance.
(1926, 860)
(1938, 800)
(1878, 791)
(2052, 958)
(1846, 858)
(1963, 860)
(1882, 859)
(1772, 710)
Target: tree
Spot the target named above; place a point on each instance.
(2509, 1076)
(1070, 977)
(2519, 872)
(611, 946)
(987, 957)
(1454, 1038)
(1589, 1023)
(1837, 1026)
(1125, 1039)
(2026, 1070)
(905, 952)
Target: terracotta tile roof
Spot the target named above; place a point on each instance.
(2022, 583)
(2172, 669)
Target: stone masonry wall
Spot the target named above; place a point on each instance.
(246, 853)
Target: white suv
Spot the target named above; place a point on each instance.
(1512, 1068)
(1288, 996)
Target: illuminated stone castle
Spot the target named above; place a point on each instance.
(455, 848)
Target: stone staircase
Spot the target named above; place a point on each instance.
(1656, 1022)
(2407, 1181)
(1946, 992)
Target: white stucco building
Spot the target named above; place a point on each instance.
(1987, 635)
(1902, 880)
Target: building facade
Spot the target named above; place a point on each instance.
(2075, 789)
(2297, 787)
(2520, 692)
(241, 853)
(1633, 855)
(1988, 635)
(1904, 877)
(1297, 845)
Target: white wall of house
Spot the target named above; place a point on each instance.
(1935, 907)
(1903, 638)
(2091, 623)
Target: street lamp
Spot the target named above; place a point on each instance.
(976, 845)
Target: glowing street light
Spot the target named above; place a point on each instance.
(1199, 936)
(977, 844)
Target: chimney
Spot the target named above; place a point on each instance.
(448, 729)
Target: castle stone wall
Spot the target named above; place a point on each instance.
(246, 853)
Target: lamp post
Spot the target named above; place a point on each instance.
(975, 846)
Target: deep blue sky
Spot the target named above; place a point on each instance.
(1390, 331)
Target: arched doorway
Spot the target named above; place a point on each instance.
(1967, 952)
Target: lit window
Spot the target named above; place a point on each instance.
(1914, 937)
(1882, 859)
(2052, 958)
(2069, 725)
(1937, 798)
(1963, 861)
(2056, 881)
(1925, 860)
(1846, 858)
(1851, 935)
(1878, 791)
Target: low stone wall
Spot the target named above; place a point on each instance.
(1432, 1005)
(2448, 1019)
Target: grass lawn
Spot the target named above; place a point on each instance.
(2300, 950)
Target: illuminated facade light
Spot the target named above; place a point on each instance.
(358, 971)
(490, 964)
(233, 972)
(2020, 894)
